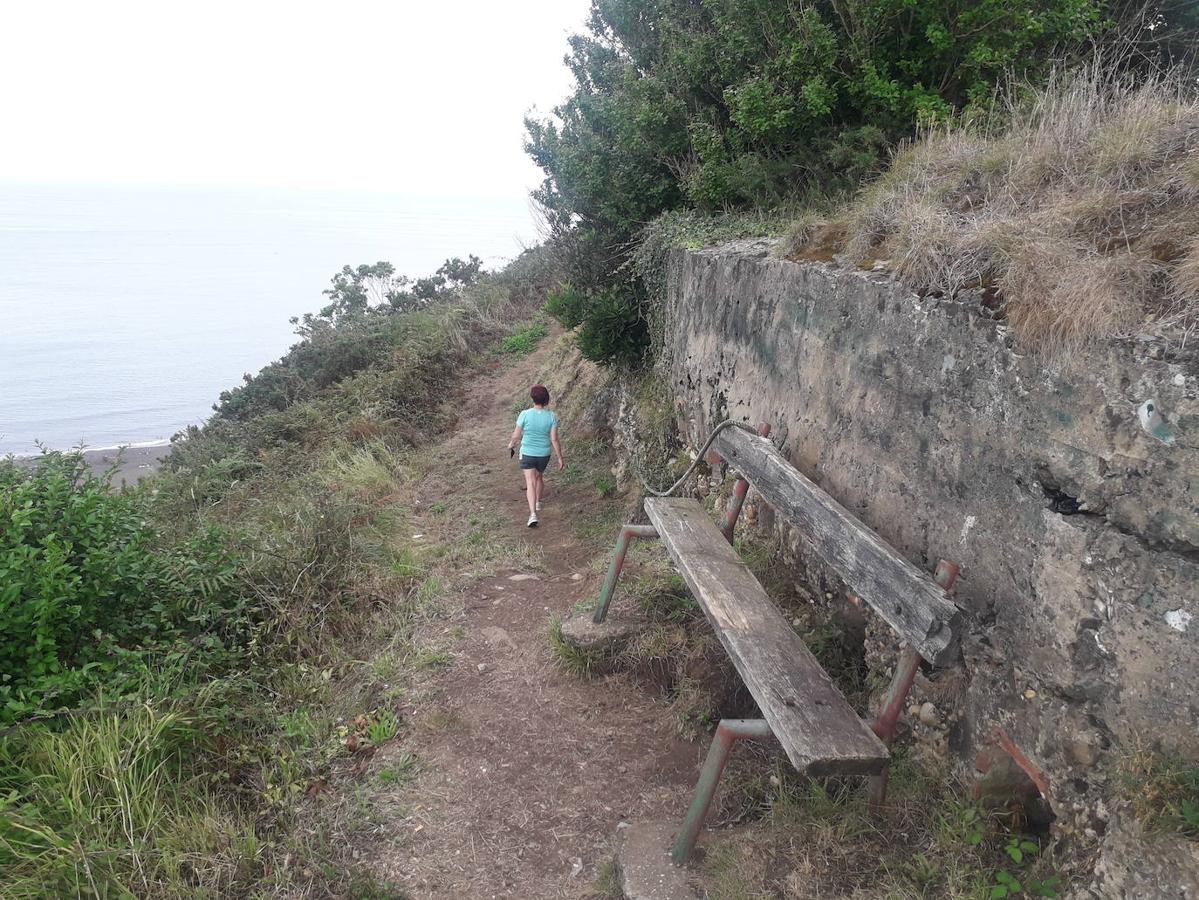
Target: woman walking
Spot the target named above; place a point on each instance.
(537, 432)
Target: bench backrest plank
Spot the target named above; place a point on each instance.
(816, 726)
(907, 598)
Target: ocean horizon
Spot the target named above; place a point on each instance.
(126, 309)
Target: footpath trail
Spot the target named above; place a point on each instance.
(524, 771)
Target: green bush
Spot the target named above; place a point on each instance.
(567, 305)
(733, 102)
(614, 331)
(87, 588)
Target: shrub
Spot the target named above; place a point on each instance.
(614, 331)
(613, 328)
(86, 587)
(567, 305)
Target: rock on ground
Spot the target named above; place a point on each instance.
(643, 860)
(610, 636)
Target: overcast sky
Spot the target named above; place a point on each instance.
(407, 97)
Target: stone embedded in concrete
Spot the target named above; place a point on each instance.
(643, 861)
(1166, 866)
(928, 715)
(609, 637)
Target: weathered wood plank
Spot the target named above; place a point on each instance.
(816, 726)
(907, 598)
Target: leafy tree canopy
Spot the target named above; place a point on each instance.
(719, 104)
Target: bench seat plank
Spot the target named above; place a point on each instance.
(816, 726)
(907, 598)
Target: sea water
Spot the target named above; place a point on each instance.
(125, 311)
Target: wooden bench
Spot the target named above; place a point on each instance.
(817, 728)
(801, 707)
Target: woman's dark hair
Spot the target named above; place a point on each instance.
(540, 395)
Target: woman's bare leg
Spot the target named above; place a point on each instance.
(540, 487)
(531, 490)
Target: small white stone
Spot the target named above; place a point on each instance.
(482, 667)
(1152, 422)
(523, 577)
(1179, 619)
(929, 715)
(576, 577)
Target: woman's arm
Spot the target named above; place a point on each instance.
(557, 448)
(514, 441)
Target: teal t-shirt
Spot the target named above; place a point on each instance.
(536, 425)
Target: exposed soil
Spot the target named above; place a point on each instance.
(525, 771)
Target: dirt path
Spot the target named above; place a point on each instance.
(525, 771)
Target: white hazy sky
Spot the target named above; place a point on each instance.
(410, 97)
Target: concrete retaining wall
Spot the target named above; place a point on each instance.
(1067, 490)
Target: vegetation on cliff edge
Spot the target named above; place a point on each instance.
(182, 660)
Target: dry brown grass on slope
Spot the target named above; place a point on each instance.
(1082, 212)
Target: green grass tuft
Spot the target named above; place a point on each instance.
(524, 341)
(399, 771)
(580, 663)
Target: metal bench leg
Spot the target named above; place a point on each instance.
(627, 533)
(728, 732)
(740, 489)
(884, 725)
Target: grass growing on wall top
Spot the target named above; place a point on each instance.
(1080, 213)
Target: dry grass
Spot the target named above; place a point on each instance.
(1080, 213)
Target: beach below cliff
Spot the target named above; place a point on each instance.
(129, 465)
(132, 464)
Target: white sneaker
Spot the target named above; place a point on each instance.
(539, 506)
(533, 521)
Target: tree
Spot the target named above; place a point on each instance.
(458, 273)
(732, 103)
(354, 293)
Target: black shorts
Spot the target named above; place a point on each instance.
(534, 462)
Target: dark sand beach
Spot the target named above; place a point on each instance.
(132, 464)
